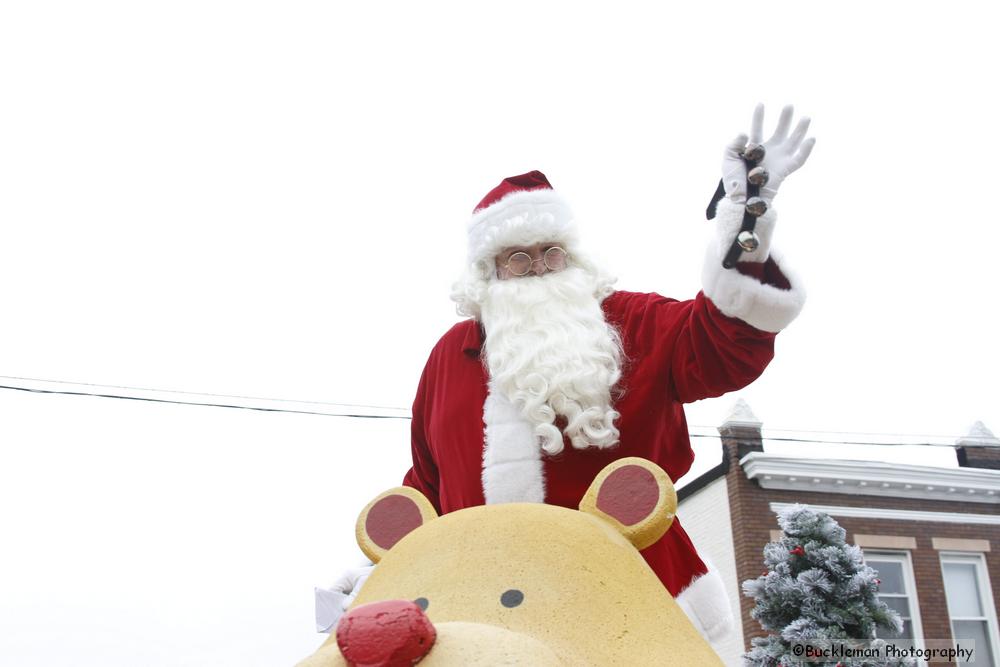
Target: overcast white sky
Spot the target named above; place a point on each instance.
(268, 199)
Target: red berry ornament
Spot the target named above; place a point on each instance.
(798, 551)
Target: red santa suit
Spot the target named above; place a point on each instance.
(471, 446)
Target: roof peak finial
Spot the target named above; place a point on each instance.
(741, 415)
(978, 436)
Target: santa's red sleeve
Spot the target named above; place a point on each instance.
(713, 353)
(727, 337)
(423, 475)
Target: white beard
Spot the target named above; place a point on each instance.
(550, 352)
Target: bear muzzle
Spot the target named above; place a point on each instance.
(397, 633)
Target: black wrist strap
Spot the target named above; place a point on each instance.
(749, 219)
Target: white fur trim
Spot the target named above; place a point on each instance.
(512, 456)
(707, 606)
(522, 218)
(765, 307)
(729, 219)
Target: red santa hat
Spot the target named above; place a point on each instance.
(521, 211)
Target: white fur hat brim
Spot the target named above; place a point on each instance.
(521, 218)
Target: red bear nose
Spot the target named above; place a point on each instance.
(393, 633)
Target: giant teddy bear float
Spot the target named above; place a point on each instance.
(518, 583)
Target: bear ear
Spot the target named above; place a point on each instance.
(389, 518)
(636, 497)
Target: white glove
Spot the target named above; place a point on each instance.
(784, 154)
(333, 601)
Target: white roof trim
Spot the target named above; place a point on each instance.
(873, 478)
(897, 515)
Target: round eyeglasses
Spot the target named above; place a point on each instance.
(520, 263)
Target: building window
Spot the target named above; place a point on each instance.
(970, 604)
(899, 592)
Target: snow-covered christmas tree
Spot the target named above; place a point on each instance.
(816, 591)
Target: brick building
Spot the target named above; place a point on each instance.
(929, 531)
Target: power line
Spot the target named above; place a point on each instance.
(841, 442)
(206, 405)
(883, 433)
(203, 393)
(359, 415)
(404, 417)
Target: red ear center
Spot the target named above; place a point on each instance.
(391, 519)
(629, 494)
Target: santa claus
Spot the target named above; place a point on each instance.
(555, 373)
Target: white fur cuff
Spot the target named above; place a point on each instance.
(707, 606)
(765, 307)
(729, 219)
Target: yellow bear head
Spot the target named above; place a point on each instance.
(518, 583)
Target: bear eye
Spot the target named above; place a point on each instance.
(422, 603)
(512, 598)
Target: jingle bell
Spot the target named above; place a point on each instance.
(758, 176)
(748, 241)
(756, 206)
(753, 153)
